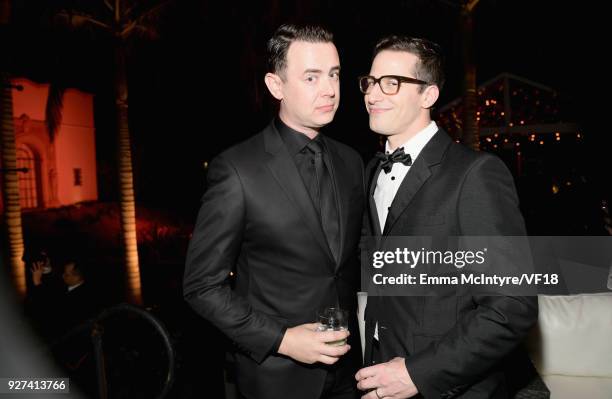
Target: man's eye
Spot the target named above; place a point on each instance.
(335, 75)
(311, 78)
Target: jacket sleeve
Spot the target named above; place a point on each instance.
(212, 255)
(488, 206)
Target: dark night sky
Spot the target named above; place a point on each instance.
(199, 87)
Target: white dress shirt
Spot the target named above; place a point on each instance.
(71, 287)
(388, 183)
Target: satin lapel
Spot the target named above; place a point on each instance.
(418, 174)
(372, 173)
(415, 178)
(286, 174)
(341, 179)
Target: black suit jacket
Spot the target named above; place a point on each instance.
(454, 346)
(257, 218)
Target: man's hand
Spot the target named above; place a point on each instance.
(37, 272)
(307, 345)
(386, 380)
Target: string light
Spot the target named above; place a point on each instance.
(534, 107)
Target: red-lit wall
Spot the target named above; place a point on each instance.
(76, 148)
(72, 148)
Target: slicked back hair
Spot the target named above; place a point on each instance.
(430, 67)
(279, 43)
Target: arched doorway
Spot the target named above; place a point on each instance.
(29, 182)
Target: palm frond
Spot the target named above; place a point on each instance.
(80, 20)
(146, 23)
(137, 8)
(153, 16)
(53, 109)
(108, 5)
(134, 29)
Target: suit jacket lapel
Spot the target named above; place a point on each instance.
(340, 178)
(286, 174)
(372, 173)
(418, 174)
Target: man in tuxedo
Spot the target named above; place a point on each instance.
(427, 185)
(283, 211)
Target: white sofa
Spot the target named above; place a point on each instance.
(571, 346)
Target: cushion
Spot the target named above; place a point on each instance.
(573, 336)
(564, 387)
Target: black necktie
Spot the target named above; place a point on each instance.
(324, 199)
(387, 160)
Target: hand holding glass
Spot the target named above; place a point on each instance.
(333, 319)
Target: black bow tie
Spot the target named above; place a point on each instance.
(387, 160)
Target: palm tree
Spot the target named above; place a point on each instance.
(122, 21)
(471, 135)
(10, 180)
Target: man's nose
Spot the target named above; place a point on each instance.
(329, 88)
(375, 95)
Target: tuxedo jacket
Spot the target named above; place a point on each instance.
(258, 220)
(454, 345)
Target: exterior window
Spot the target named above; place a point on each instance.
(78, 178)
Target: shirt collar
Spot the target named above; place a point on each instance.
(294, 140)
(415, 144)
(70, 288)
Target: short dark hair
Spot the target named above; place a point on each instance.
(430, 67)
(279, 43)
(79, 268)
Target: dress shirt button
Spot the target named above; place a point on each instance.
(392, 177)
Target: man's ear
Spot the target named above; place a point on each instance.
(274, 83)
(430, 96)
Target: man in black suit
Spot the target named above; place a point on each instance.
(427, 185)
(283, 211)
(66, 306)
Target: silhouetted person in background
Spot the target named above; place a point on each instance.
(44, 289)
(59, 305)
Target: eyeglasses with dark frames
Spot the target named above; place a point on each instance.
(389, 84)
